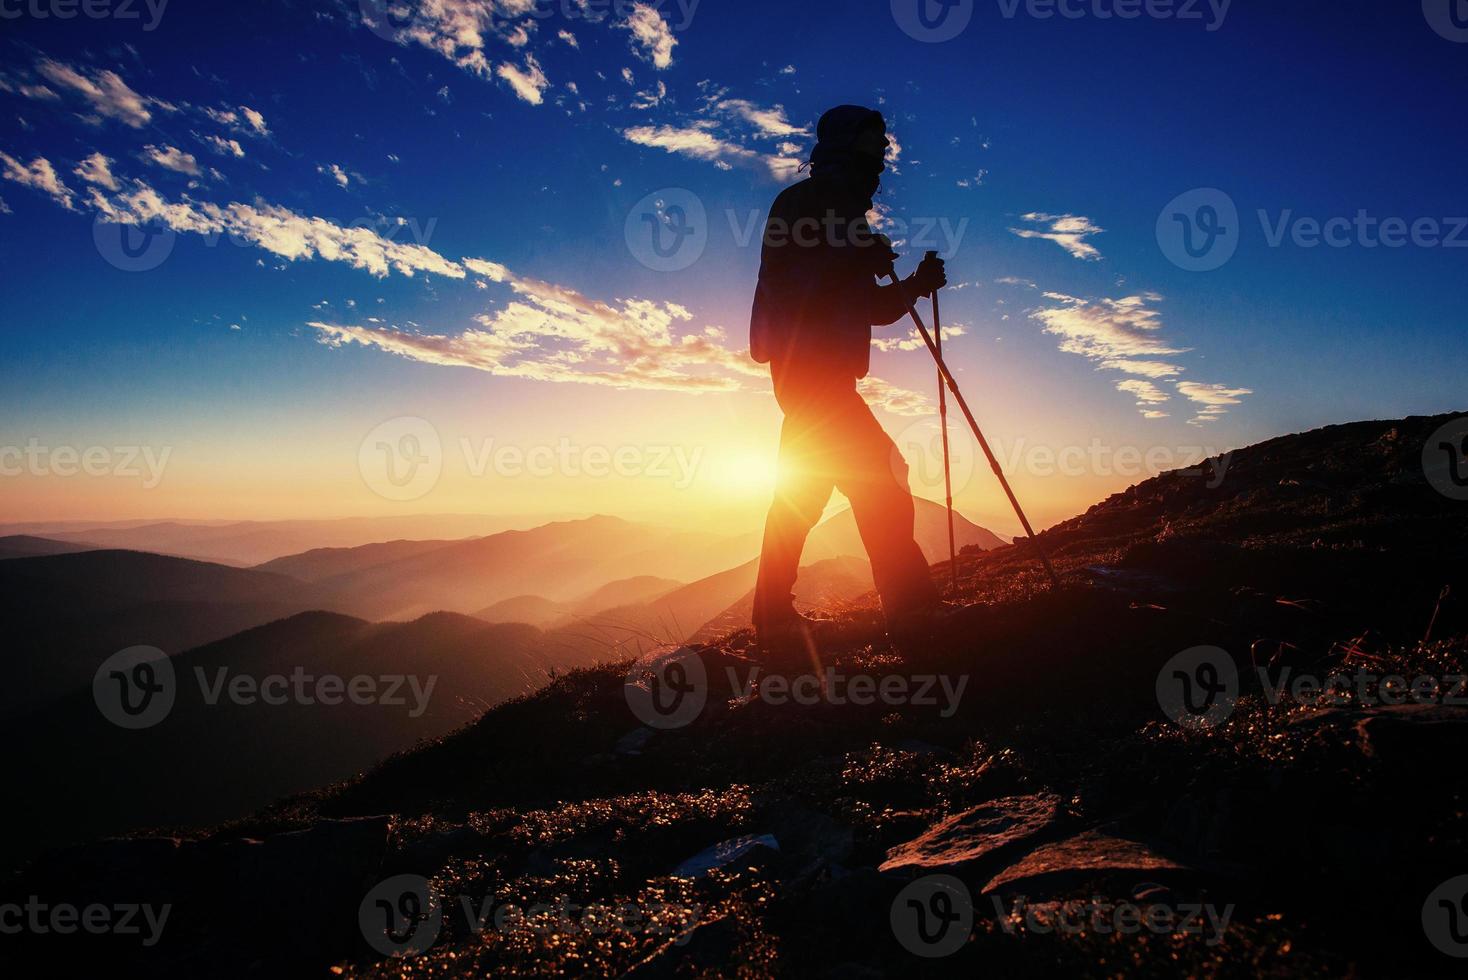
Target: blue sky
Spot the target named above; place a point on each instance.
(428, 216)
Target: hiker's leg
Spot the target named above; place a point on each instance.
(875, 480)
(802, 491)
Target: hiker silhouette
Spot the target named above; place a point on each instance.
(817, 301)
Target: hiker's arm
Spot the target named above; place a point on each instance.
(890, 303)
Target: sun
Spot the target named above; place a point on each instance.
(743, 474)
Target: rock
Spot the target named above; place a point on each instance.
(977, 834)
(1073, 862)
(724, 853)
(1414, 734)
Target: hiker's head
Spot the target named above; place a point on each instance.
(851, 145)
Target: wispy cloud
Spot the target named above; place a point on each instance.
(104, 91)
(1145, 392)
(1069, 231)
(1216, 399)
(1125, 335)
(171, 158)
(275, 229)
(1107, 330)
(1142, 368)
(528, 82)
(242, 119)
(771, 121)
(340, 176)
(97, 169)
(38, 175)
(652, 38)
(700, 142)
(553, 333)
(220, 145)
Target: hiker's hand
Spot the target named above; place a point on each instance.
(930, 276)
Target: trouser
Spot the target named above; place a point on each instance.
(831, 440)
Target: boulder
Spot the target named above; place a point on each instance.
(726, 852)
(964, 839)
(1058, 867)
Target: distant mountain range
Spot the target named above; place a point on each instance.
(598, 581)
(80, 776)
(66, 613)
(247, 543)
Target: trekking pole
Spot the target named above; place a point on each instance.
(943, 423)
(947, 376)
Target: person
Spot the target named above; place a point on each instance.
(814, 308)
